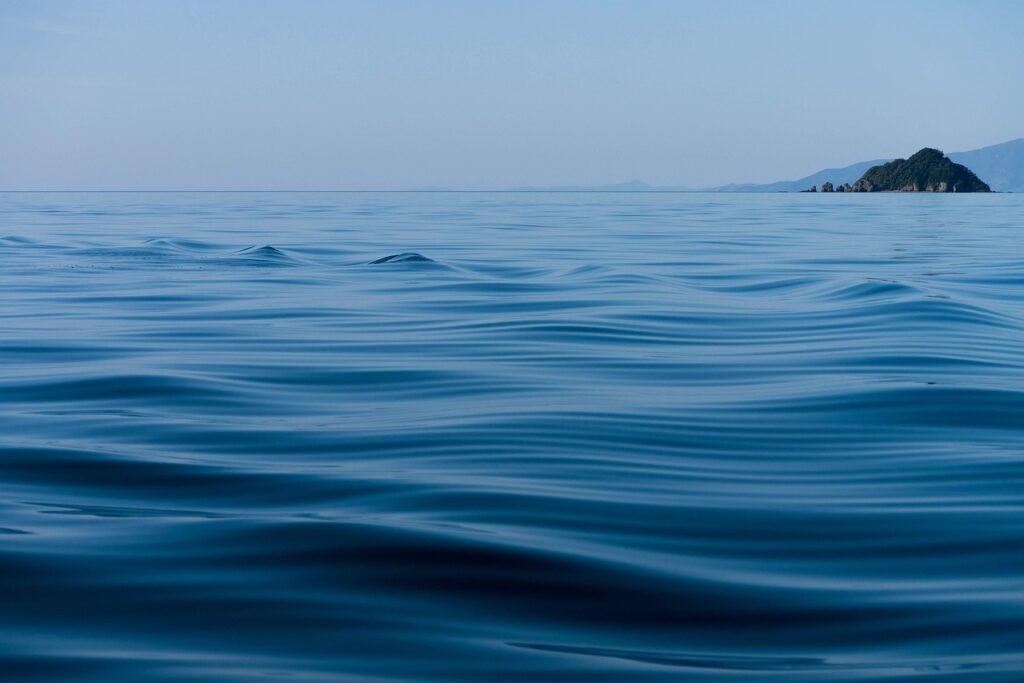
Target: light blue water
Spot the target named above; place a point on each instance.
(610, 437)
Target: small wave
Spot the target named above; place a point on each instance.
(16, 239)
(748, 663)
(690, 660)
(177, 245)
(138, 388)
(264, 252)
(875, 288)
(263, 255)
(405, 257)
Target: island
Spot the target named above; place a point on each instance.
(927, 171)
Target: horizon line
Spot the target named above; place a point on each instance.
(518, 191)
(651, 189)
(714, 192)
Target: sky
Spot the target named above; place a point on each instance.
(482, 94)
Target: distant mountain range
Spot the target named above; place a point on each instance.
(836, 176)
(1001, 166)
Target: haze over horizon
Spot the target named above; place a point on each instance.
(116, 94)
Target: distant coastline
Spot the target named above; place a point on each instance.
(1000, 166)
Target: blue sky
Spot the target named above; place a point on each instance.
(308, 94)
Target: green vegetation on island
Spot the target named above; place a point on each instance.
(927, 171)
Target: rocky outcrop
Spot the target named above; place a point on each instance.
(827, 187)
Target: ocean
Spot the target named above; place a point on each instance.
(384, 437)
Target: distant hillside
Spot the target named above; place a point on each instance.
(1001, 166)
(847, 174)
(929, 170)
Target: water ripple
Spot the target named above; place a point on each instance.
(592, 437)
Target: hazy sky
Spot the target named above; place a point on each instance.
(304, 94)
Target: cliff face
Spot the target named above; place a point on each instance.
(927, 171)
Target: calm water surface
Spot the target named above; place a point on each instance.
(608, 437)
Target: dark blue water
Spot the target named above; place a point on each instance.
(609, 437)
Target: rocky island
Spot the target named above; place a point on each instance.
(927, 171)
